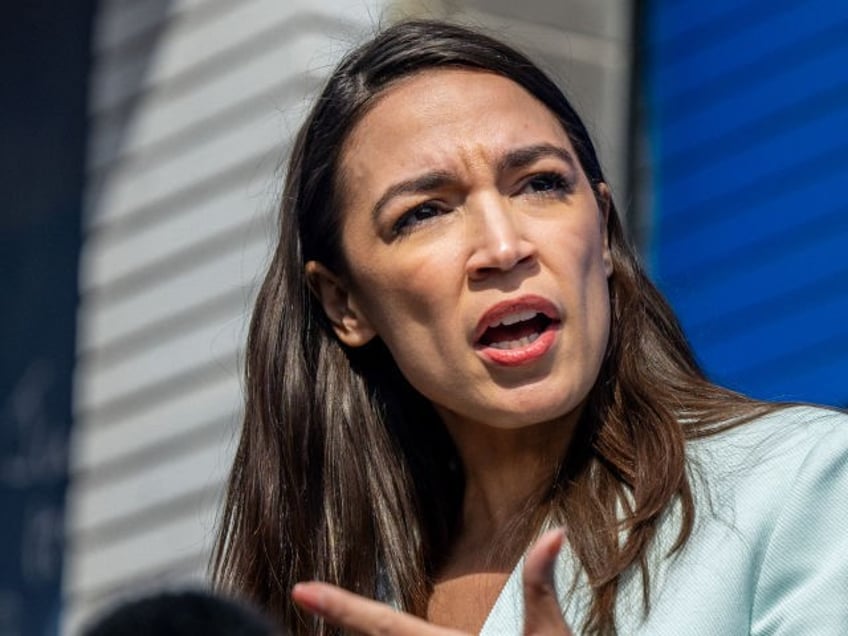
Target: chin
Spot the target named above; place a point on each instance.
(519, 414)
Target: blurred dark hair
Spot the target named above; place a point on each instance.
(340, 471)
(182, 613)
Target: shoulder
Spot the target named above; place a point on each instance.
(777, 444)
(803, 575)
(768, 551)
(780, 484)
(749, 473)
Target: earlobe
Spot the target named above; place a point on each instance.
(351, 327)
(605, 205)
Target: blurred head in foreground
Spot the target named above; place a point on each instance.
(183, 613)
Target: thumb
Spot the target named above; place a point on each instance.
(542, 613)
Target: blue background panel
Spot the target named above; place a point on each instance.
(748, 111)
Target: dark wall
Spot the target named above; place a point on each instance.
(44, 62)
(748, 114)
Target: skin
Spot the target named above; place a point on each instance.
(543, 616)
(464, 191)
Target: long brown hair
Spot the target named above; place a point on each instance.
(345, 474)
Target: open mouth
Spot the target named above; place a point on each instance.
(516, 330)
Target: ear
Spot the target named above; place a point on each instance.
(605, 205)
(352, 328)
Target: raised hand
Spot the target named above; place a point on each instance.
(542, 614)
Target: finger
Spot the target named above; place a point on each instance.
(542, 613)
(351, 611)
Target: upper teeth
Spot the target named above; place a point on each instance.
(514, 318)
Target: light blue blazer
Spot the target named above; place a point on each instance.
(769, 552)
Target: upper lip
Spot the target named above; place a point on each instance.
(496, 313)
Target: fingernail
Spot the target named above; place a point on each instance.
(556, 544)
(309, 596)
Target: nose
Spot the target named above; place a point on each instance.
(497, 240)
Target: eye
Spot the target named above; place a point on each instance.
(548, 183)
(416, 216)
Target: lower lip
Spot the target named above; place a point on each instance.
(522, 355)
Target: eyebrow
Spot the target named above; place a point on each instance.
(523, 157)
(512, 160)
(422, 183)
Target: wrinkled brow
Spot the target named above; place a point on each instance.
(512, 160)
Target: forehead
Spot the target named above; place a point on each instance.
(445, 117)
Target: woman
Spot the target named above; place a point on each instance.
(454, 349)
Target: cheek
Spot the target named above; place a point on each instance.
(406, 311)
(414, 313)
(591, 268)
(582, 255)
(599, 317)
(401, 295)
(409, 288)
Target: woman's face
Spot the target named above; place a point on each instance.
(476, 249)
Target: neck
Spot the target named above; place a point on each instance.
(505, 469)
